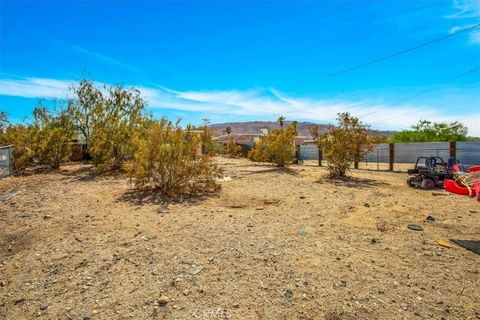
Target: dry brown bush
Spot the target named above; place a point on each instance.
(169, 158)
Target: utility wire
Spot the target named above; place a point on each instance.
(464, 74)
(402, 51)
(394, 55)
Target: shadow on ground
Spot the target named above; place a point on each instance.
(355, 183)
(87, 173)
(284, 170)
(141, 197)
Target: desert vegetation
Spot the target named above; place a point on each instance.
(119, 136)
(346, 143)
(277, 146)
(427, 131)
(170, 159)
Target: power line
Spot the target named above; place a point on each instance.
(439, 85)
(401, 51)
(476, 69)
(390, 56)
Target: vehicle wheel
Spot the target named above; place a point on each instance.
(428, 184)
(411, 181)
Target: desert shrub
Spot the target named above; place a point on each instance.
(51, 137)
(345, 143)
(232, 149)
(169, 159)
(208, 146)
(20, 137)
(276, 146)
(117, 118)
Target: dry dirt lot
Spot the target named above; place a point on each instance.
(273, 244)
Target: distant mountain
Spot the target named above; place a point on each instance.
(253, 127)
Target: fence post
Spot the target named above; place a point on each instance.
(297, 154)
(10, 162)
(320, 156)
(453, 149)
(391, 156)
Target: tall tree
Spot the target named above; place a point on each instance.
(82, 109)
(281, 121)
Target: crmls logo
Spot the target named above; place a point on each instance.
(212, 314)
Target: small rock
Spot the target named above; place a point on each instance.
(302, 197)
(45, 217)
(381, 290)
(430, 218)
(374, 240)
(18, 301)
(43, 307)
(288, 293)
(236, 305)
(163, 300)
(197, 270)
(186, 292)
(366, 205)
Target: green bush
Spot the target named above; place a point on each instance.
(277, 146)
(20, 137)
(117, 119)
(345, 143)
(51, 138)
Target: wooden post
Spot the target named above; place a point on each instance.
(453, 149)
(297, 154)
(320, 156)
(391, 156)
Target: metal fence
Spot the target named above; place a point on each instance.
(406, 154)
(5, 161)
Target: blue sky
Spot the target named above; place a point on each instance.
(238, 61)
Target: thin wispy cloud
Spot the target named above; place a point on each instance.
(465, 9)
(104, 58)
(87, 52)
(256, 103)
(468, 12)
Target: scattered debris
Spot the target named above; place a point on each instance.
(288, 293)
(271, 201)
(472, 245)
(382, 227)
(163, 208)
(163, 300)
(444, 243)
(197, 270)
(415, 227)
(238, 206)
(7, 196)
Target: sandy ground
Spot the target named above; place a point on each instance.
(273, 244)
